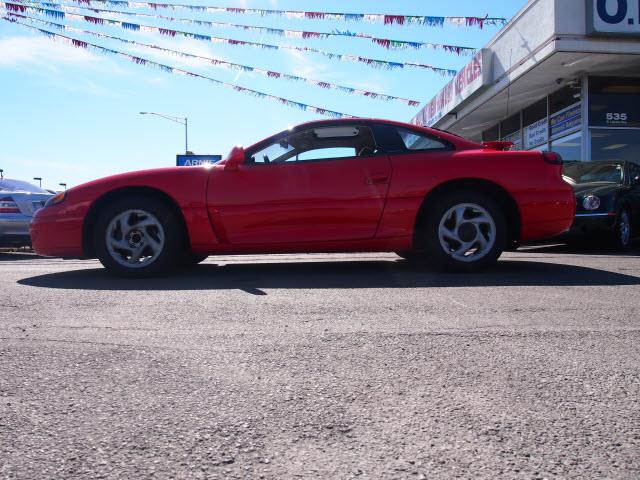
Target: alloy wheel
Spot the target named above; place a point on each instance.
(467, 232)
(134, 238)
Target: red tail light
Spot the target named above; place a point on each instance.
(7, 205)
(552, 158)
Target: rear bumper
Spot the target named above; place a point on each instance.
(14, 230)
(547, 214)
(56, 235)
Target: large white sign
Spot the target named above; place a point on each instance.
(614, 17)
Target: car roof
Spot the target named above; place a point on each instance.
(450, 137)
(12, 185)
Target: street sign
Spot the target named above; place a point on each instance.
(194, 160)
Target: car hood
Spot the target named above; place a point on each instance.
(596, 188)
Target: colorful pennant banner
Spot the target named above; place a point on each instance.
(177, 71)
(383, 42)
(57, 14)
(428, 21)
(218, 62)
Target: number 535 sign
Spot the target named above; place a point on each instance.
(613, 17)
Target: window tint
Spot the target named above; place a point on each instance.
(320, 143)
(336, 152)
(417, 141)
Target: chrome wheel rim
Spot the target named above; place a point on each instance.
(624, 229)
(467, 232)
(134, 238)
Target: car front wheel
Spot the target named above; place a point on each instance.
(623, 232)
(464, 231)
(138, 237)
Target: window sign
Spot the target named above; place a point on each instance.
(536, 133)
(566, 120)
(194, 160)
(614, 110)
(613, 17)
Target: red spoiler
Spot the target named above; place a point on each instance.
(498, 145)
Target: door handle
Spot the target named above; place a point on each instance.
(377, 180)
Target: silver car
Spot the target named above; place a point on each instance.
(18, 202)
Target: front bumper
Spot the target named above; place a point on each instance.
(56, 235)
(593, 224)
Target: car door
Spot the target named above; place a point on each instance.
(303, 187)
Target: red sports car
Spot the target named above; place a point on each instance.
(356, 185)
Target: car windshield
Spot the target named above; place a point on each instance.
(7, 185)
(589, 172)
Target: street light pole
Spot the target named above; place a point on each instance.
(180, 120)
(39, 180)
(63, 185)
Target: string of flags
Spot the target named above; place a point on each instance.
(177, 71)
(375, 63)
(218, 62)
(383, 42)
(428, 21)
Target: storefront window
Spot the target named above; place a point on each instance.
(614, 102)
(510, 129)
(536, 124)
(491, 134)
(563, 98)
(615, 144)
(569, 147)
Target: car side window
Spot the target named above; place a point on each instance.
(317, 144)
(418, 141)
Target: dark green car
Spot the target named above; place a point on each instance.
(607, 201)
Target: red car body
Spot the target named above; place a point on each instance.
(366, 203)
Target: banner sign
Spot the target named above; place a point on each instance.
(613, 17)
(565, 120)
(194, 160)
(536, 134)
(474, 76)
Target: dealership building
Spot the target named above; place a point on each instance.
(562, 75)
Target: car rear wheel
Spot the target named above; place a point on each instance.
(138, 236)
(464, 231)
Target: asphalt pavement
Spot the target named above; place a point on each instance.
(322, 366)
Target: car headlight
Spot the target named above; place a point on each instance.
(591, 202)
(56, 199)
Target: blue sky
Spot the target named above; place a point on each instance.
(70, 115)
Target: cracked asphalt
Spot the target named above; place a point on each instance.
(322, 366)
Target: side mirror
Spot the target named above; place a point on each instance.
(234, 159)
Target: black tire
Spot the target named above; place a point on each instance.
(478, 206)
(621, 239)
(118, 260)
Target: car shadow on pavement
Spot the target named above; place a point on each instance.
(9, 256)
(255, 277)
(582, 249)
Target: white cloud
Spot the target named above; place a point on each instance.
(27, 50)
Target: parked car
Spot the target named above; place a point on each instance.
(607, 199)
(18, 202)
(351, 185)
